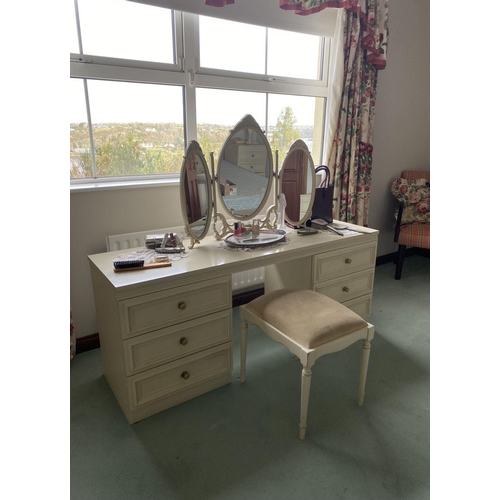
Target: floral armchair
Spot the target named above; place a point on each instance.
(413, 223)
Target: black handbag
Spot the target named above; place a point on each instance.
(323, 197)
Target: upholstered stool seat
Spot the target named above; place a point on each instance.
(310, 325)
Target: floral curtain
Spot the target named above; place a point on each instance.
(365, 48)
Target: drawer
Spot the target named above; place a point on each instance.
(157, 310)
(344, 261)
(252, 155)
(179, 375)
(258, 168)
(360, 305)
(168, 344)
(347, 287)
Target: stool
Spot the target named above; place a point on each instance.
(310, 325)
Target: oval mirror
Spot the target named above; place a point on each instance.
(196, 193)
(245, 170)
(297, 182)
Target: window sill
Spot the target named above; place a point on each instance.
(128, 184)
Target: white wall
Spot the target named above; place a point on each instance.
(401, 141)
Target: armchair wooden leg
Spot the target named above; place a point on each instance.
(304, 400)
(243, 348)
(399, 261)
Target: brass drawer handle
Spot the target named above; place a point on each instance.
(345, 289)
(183, 341)
(181, 306)
(348, 261)
(185, 375)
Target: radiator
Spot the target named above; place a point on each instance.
(246, 280)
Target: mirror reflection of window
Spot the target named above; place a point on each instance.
(215, 121)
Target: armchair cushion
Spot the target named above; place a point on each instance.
(414, 195)
(415, 235)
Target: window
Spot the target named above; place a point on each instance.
(139, 95)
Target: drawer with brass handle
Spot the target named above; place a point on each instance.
(347, 287)
(150, 312)
(348, 260)
(168, 344)
(171, 378)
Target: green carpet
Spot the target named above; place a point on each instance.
(241, 441)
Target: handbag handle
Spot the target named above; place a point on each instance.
(326, 181)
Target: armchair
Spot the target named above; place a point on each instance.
(412, 190)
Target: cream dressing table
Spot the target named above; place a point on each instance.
(166, 333)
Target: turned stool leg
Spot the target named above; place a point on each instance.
(243, 348)
(365, 357)
(304, 400)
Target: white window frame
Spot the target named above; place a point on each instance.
(185, 72)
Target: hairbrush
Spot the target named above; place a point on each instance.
(132, 265)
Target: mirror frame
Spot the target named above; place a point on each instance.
(195, 149)
(247, 122)
(300, 145)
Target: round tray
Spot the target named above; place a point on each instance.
(266, 238)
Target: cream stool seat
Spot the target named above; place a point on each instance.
(310, 325)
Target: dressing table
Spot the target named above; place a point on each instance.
(166, 333)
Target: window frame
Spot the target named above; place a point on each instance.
(187, 73)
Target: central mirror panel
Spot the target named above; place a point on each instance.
(297, 177)
(245, 170)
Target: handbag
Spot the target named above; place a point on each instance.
(323, 197)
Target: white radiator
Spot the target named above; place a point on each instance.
(241, 281)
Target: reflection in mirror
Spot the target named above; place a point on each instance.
(196, 193)
(296, 182)
(245, 170)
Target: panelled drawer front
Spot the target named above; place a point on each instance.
(362, 306)
(251, 154)
(168, 344)
(344, 261)
(253, 166)
(159, 382)
(161, 309)
(347, 287)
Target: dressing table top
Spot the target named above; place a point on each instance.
(209, 260)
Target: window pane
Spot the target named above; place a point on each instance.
(218, 111)
(80, 162)
(295, 117)
(232, 46)
(293, 55)
(128, 30)
(137, 128)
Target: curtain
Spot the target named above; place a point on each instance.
(350, 153)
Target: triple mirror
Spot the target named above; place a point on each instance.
(243, 183)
